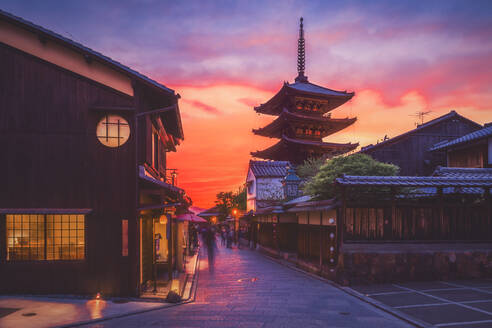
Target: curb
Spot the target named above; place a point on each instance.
(191, 298)
(352, 293)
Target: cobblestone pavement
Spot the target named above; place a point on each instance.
(248, 290)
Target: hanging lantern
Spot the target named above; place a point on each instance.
(163, 219)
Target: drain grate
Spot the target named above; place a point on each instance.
(29, 314)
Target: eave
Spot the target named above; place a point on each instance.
(275, 105)
(283, 149)
(329, 125)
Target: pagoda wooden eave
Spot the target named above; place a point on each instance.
(282, 149)
(328, 124)
(274, 106)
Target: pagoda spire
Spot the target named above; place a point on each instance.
(301, 55)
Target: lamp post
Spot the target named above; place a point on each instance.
(236, 226)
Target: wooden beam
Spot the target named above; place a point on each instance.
(112, 109)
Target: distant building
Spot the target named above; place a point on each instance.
(264, 183)
(411, 151)
(84, 193)
(301, 122)
(471, 150)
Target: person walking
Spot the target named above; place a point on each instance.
(209, 239)
(222, 237)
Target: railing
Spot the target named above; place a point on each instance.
(171, 176)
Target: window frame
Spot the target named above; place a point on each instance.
(4, 241)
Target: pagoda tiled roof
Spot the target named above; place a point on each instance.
(269, 168)
(451, 115)
(331, 125)
(470, 137)
(316, 89)
(278, 150)
(274, 105)
(320, 143)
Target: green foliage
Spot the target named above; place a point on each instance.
(322, 185)
(310, 167)
(226, 201)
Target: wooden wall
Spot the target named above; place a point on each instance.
(476, 156)
(51, 158)
(411, 153)
(409, 223)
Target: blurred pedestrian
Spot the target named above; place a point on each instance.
(209, 239)
(222, 237)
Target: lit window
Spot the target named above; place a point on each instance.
(113, 131)
(34, 237)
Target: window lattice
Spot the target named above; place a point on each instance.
(32, 237)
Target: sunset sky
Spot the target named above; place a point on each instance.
(224, 57)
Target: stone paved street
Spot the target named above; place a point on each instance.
(249, 290)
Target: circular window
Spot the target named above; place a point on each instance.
(113, 131)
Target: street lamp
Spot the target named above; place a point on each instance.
(236, 226)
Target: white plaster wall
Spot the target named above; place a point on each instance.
(269, 189)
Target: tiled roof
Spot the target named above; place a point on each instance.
(461, 172)
(79, 47)
(476, 135)
(213, 211)
(440, 119)
(405, 181)
(313, 88)
(269, 168)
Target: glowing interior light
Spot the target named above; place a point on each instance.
(163, 219)
(332, 235)
(113, 131)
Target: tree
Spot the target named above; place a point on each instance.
(321, 186)
(310, 167)
(226, 201)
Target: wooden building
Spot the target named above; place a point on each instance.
(84, 183)
(471, 150)
(411, 151)
(415, 228)
(386, 229)
(303, 119)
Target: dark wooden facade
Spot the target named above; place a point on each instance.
(52, 159)
(411, 150)
(473, 150)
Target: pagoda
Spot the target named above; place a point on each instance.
(303, 119)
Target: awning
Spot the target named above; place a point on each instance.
(190, 217)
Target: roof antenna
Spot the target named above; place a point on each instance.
(421, 115)
(301, 55)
